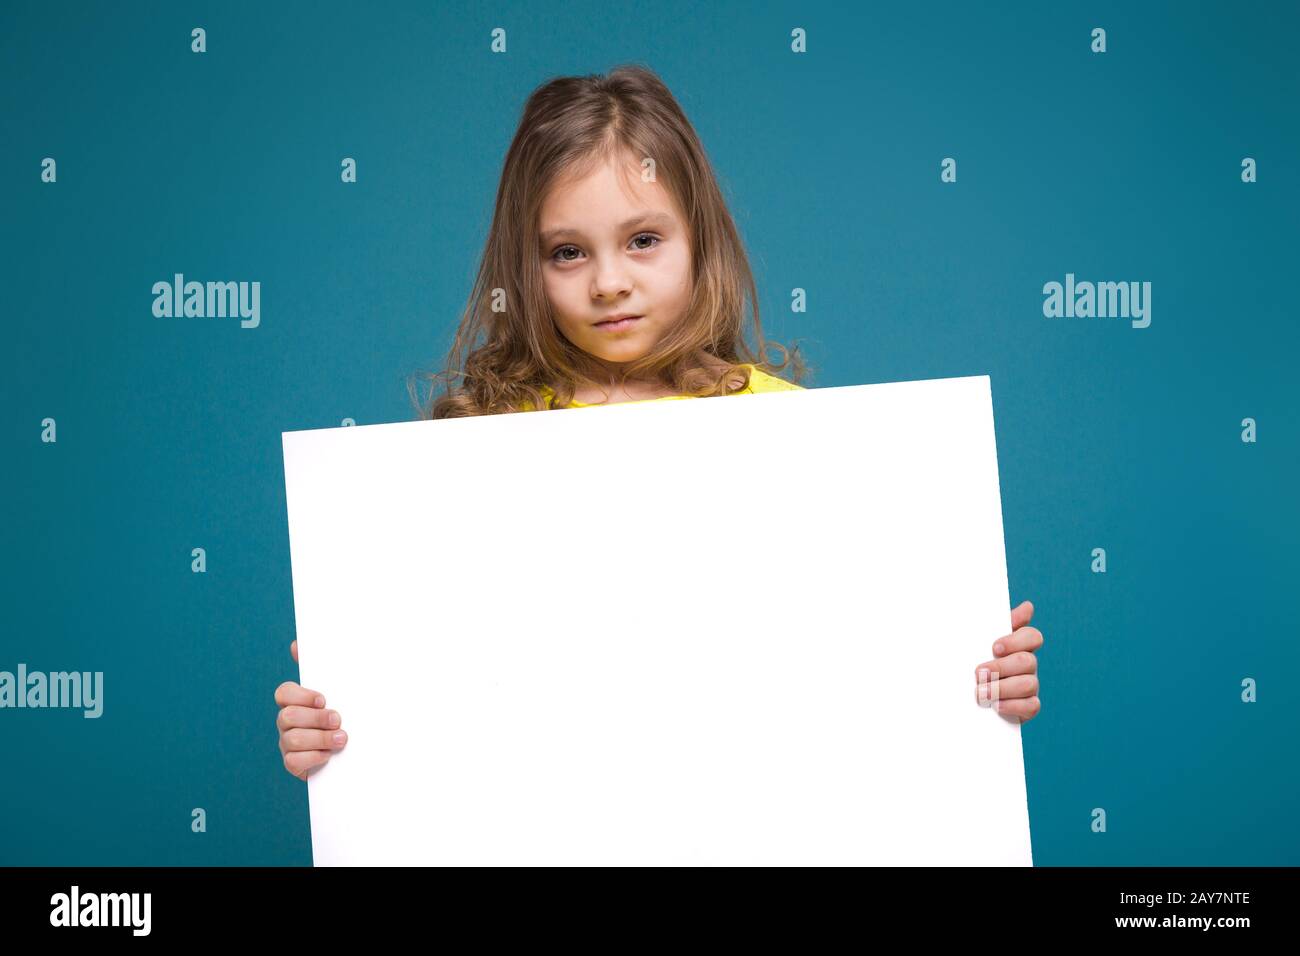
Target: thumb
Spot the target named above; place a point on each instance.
(1020, 615)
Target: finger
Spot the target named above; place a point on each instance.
(316, 717)
(1021, 662)
(990, 688)
(291, 693)
(1008, 688)
(1023, 639)
(300, 738)
(293, 649)
(1026, 708)
(298, 762)
(1020, 614)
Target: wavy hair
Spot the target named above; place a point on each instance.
(500, 360)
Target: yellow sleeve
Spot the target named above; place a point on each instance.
(760, 381)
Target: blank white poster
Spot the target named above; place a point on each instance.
(736, 630)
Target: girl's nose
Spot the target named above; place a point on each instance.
(610, 280)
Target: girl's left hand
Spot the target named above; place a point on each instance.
(1010, 680)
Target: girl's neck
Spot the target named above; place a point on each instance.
(602, 374)
(604, 383)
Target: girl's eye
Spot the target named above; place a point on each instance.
(559, 254)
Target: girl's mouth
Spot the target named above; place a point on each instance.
(619, 325)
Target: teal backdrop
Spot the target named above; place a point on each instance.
(1117, 166)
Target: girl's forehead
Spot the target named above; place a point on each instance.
(612, 174)
(609, 190)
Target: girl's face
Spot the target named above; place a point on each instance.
(614, 245)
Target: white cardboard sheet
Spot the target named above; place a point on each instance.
(738, 630)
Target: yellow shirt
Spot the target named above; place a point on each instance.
(759, 382)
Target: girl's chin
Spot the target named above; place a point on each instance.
(622, 352)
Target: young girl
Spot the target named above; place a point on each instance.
(613, 273)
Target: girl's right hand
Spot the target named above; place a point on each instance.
(309, 734)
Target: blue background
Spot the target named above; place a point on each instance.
(225, 166)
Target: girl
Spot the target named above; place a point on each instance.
(613, 273)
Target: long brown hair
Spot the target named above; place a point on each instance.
(569, 124)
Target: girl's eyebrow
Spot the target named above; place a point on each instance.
(659, 219)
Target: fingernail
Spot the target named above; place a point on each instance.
(998, 648)
(320, 701)
(341, 737)
(333, 719)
